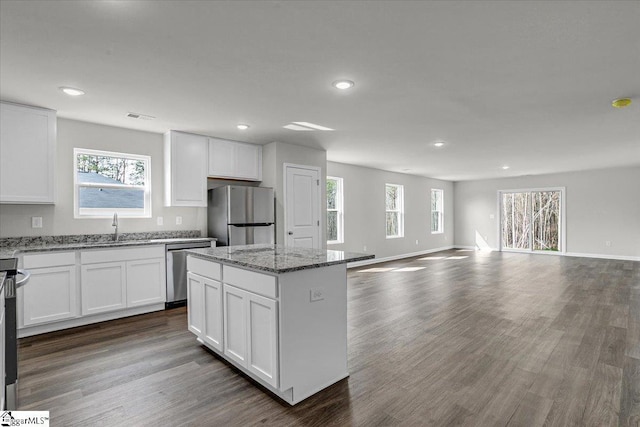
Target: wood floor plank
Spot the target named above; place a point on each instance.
(493, 339)
(603, 402)
(630, 395)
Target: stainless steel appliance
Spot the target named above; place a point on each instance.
(239, 215)
(11, 284)
(177, 272)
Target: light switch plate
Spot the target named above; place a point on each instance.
(160, 220)
(36, 222)
(178, 220)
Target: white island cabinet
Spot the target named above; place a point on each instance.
(278, 314)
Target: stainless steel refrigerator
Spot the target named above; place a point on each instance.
(239, 215)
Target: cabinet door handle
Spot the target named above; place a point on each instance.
(290, 233)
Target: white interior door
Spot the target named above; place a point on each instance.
(302, 206)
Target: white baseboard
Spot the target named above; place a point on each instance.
(603, 256)
(396, 257)
(445, 248)
(469, 247)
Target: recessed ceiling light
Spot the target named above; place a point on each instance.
(621, 102)
(505, 167)
(343, 84)
(242, 126)
(72, 91)
(438, 144)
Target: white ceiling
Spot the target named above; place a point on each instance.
(524, 84)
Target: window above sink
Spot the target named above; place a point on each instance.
(106, 183)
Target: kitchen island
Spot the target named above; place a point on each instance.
(279, 314)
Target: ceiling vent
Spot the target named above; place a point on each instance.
(305, 126)
(140, 116)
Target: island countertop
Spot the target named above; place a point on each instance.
(277, 259)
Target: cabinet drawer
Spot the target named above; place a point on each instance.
(50, 259)
(125, 254)
(258, 283)
(203, 268)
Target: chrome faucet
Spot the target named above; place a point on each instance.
(115, 224)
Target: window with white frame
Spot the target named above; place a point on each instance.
(394, 210)
(107, 183)
(437, 211)
(335, 224)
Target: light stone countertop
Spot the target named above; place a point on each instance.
(12, 247)
(276, 259)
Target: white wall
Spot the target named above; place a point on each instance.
(601, 205)
(364, 211)
(274, 156)
(15, 220)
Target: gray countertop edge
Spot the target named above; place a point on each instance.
(252, 266)
(12, 253)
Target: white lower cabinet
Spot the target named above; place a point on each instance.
(195, 303)
(234, 319)
(103, 287)
(235, 324)
(146, 282)
(212, 333)
(204, 311)
(262, 338)
(51, 294)
(251, 332)
(117, 279)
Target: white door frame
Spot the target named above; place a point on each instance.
(563, 220)
(284, 198)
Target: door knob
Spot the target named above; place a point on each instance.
(290, 233)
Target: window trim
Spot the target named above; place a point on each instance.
(400, 211)
(339, 209)
(100, 213)
(441, 211)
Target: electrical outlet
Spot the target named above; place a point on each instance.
(492, 216)
(364, 248)
(36, 222)
(316, 294)
(417, 241)
(178, 220)
(608, 243)
(160, 220)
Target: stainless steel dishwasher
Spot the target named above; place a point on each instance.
(177, 272)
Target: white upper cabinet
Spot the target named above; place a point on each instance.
(235, 160)
(27, 154)
(185, 169)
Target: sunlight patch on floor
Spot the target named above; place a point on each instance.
(430, 258)
(458, 257)
(375, 270)
(409, 269)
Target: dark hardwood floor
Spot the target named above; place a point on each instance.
(490, 340)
